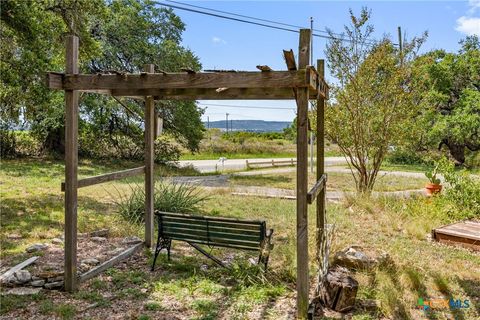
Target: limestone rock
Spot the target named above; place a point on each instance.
(54, 285)
(9, 280)
(353, 258)
(55, 279)
(23, 291)
(90, 261)
(99, 239)
(14, 236)
(83, 267)
(100, 233)
(36, 247)
(57, 241)
(23, 276)
(37, 283)
(131, 240)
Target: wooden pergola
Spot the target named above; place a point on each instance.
(302, 84)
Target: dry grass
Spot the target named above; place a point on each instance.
(32, 205)
(336, 181)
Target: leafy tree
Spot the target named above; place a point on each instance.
(373, 99)
(451, 114)
(120, 35)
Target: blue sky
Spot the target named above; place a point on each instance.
(225, 44)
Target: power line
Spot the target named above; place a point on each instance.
(248, 17)
(250, 22)
(244, 107)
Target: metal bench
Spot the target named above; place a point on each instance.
(213, 232)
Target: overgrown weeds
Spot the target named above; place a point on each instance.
(168, 197)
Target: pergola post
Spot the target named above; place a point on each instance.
(321, 199)
(302, 180)
(149, 159)
(71, 164)
(321, 152)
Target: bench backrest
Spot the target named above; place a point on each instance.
(220, 232)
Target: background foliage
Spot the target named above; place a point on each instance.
(120, 35)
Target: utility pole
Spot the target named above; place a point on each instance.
(208, 122)
(226, 122)
(311, 63)
(400, 44)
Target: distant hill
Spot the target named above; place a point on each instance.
(250, 125)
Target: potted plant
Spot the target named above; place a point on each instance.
(434, 186)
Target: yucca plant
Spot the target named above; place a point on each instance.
(169, 197)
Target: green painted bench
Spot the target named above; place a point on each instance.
(213, 232)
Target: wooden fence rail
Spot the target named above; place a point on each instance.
(108, 177)
(273, 163)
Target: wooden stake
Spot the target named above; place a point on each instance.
(302, 180)
(320, 208)
(71, 164)
(149, 157)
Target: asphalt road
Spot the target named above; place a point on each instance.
(240, 164)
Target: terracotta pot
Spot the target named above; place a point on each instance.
(433, 188)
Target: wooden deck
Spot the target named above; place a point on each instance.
(465, 234)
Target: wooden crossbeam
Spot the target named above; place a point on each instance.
(272, 79)
(90, 181)
(319, 186)
(212, 94)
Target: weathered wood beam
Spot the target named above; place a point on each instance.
(117, 175)
(316, 189)
(54, 80)
(312, 78)
(109, 263)
(264, 68)
(71, 166)
(222, 93)
(320, 207)
(272, 79)
(290, 59)
(149, 163)
(302, 180)
(214, 94)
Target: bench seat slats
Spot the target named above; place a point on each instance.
(226, 244)
(166, 229)
(211, 240)
(204, 222)
(210, 218)
(224, 229)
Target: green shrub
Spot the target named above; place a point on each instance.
(463, 190)
(181, 198)
(405, 156)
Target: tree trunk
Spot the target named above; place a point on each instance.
(457, 151)
(339, 290)
(55, 142)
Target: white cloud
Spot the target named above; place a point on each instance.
(468, 25)
(474, 5)
(217, 40)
